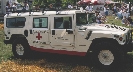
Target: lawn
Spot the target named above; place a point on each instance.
(51, 62)
(111, 19)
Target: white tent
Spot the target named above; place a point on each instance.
(100, 1)
(109, 2)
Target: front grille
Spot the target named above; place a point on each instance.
(128, 36)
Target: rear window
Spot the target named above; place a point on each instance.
(15, 22)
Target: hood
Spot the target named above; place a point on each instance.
(105, 27)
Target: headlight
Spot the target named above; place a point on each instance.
(116, 36)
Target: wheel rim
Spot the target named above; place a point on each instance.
(19, 49)
(106, 57)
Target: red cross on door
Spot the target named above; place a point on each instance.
(39, 37)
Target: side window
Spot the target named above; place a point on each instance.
(81, 19)
(15, 22)
(40, 22)
(59, 22)
(20, 22)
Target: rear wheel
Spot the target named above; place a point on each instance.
(20, 48)
(106, 55)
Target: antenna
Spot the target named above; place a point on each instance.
(29, 3)
(17, 14)
(29, 12)
(58, 6)
(43, 10)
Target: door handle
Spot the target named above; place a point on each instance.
(30, 31)
(53, 32)
(69, 31)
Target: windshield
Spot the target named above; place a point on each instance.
(81, 19)
(91, 18)
(84, 18)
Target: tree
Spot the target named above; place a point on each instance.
(35, 2)
(19, 1)
(64, 2)
(42, 4)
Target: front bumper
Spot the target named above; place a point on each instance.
(128, 47)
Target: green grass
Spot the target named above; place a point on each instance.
(5, 50)
(111, 19)
(53, 64)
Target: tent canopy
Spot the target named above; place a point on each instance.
(110, 2)
(90, 1)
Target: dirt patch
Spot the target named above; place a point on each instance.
(39, 66)
(1, 26)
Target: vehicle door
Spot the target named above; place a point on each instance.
(60, 36)
(40, 31)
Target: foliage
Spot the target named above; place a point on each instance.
(19, 1)
(35, 2)
(64, 2)
(5, 50)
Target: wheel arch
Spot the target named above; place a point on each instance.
(16, 36)
(103, 39)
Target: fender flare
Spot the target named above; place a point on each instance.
(98, 40)
(16, 36)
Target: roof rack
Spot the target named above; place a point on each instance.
(19, 11)
(57, 9)
(36, 10)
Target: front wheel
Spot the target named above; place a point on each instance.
(107, 55)
(20, 49)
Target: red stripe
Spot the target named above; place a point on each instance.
(59, 51)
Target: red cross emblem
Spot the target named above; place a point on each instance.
(39, 37)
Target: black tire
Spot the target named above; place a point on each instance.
(26, 49)
(112, 51)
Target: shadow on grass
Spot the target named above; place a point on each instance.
(60, 63)
(65, 63)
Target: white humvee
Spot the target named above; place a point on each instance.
(72, 32)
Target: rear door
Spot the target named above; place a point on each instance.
(40, 31)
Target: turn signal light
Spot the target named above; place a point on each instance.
(120, 38)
